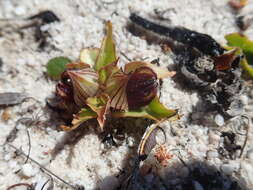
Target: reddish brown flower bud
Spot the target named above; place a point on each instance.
(141, 87)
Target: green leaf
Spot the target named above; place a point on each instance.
(158, 110)
(107, 52)
(241, 41)
(84, 115)
(155, 111)
(100, 104)
(248, 70)
(89, 56)
(56, 66)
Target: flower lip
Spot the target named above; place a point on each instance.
(64, 88)
(141, 87)
(65, 79)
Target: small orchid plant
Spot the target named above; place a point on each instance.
(95, 87)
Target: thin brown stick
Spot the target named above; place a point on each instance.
(19, 184)
(29, 144)
(42, 167)
(247, 134)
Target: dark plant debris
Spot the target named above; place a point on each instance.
(36, 22)
(237, 4)
(229, 147)
(244, 22)
(46, 17)
(200, 176)
(40, 19)
(202, 62)
(11, 98)
(1, 64)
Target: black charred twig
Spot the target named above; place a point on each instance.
(46, 17)
(45, 184)
(202, 42)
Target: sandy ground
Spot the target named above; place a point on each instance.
(80, 158)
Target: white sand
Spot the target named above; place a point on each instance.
(82, 25)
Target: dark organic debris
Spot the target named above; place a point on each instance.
(1, 64)
(202, 42)
(244, 22)
(230, 147)
(237, 4)
(36, 22)
(200, 176)
(40, 19)
(146, 145)
(46, 17)
(11, 98)
(203, 63)
(109, 141)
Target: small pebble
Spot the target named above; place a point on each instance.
(250, 154)
(244, 99)
(214, 139)
(219, 120)
(7, 156)
(211, 154)
(20, 10)
(230, 168)
(28, 170)
(130, 142)
(247, 170)
(13, 164)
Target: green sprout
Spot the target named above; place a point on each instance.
(245, 46)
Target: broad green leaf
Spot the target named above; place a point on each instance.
(84, 115)
(155, 111)
(241, 41)
(89, 56)
(107, 52)
(158, 110)
(56, 66)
